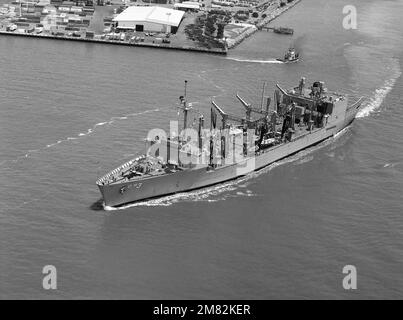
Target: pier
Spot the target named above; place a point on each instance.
(263, 23)
(282, 30)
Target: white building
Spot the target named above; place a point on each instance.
(154, 19)
(188, 5)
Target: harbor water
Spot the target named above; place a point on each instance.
(70, 112)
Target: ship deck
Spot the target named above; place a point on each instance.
(127, 173)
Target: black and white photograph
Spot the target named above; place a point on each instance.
(220, 150)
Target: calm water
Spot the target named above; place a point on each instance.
(69, 112)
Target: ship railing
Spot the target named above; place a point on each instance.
(113, 175)
(357, 103)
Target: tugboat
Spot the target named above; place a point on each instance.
(232, 147)
(290, 56)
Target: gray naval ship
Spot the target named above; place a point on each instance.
(231, 147)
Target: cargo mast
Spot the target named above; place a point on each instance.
(185, 107)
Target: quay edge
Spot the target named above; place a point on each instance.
(117, 42)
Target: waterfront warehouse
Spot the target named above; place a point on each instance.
(154, 19)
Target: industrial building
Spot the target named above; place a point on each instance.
(188, 6)
(151, 19)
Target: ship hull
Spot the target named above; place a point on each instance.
(288, 61)
(126, 192)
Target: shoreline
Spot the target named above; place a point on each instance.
(231, 43)
(117, 42)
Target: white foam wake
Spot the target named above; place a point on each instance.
(256, 61)
(203, 75)
(197, 195)
(379, 95)
(80, 135)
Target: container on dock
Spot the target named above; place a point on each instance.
(88, 9)
(70, 28)
(74, 19)
(76, 9)
(113, 36)
(89, 35)
(64, 9)
(39, 8)
(30, 16)
(38, 30)
(22, 24)
(34, 21)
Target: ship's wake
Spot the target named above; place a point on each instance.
(235, 188)
(198, 195)
(203, 75)
(270, 61)
(78, 136)
(379, 95)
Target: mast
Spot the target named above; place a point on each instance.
(185, 107)
(201, 125)
(261, 102)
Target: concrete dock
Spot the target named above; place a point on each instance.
(117, 42)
